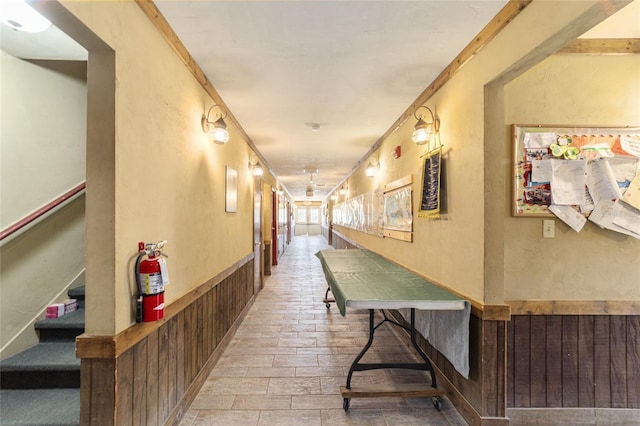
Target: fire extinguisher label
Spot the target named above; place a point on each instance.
(164, 271)
(152, 283)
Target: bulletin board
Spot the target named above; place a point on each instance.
(563, 170)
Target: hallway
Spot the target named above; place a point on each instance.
(289, 357)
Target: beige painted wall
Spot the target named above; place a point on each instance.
(594, 264)
(169, 178)
(38, 100)
(39, 103)
(457, 251)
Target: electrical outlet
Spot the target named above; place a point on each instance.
(548, 228)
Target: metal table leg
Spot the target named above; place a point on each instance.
(347, 392)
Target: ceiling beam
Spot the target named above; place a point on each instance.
(602, 46)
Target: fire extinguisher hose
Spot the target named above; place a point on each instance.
(136, 273)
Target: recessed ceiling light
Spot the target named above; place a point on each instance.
(20, 16)
(315, 127)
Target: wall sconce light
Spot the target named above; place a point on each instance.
(333, 197)
(217, 129)
(423, 130)
(342, 191)
(372, 167)
(255, 166)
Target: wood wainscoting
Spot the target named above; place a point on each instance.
(150, 373)
(573, 361)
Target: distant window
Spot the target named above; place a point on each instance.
(314, 214)
(301, 215)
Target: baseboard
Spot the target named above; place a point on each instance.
(181, 407)
(574, 416)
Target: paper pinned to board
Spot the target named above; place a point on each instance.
(569, 215)
(601, 181)
(568, 179)
(604, 215)
(627, 217)
(632, 194)
(539, 140)
(631, 144)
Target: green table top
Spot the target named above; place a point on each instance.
(362, 279)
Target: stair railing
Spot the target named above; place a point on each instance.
(46, 210)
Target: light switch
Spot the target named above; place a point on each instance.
(548, 228)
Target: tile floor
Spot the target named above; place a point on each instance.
(291, 354)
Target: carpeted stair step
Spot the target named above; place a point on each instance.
(65, 328)
(77, 293)
(45, 365)
(39, 407)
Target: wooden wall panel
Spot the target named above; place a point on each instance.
(172, 371)
(554, 357)
(145, 383)
(139, 415)
(618, 349)
(102, 392)
(493, 369)
(124, 389)
(181, 370)
(589, 361)
(601, 357)
(163, 371)
(511, 371)
(570, 361)
(522, 335)
(537, 362)
(152, 380)
(633, 361)
(585, 361)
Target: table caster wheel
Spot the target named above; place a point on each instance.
(345, 403)
(437, 402)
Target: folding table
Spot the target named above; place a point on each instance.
(361, 279)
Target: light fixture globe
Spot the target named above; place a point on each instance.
(217, 130)
(372, 168)
(220, 132)
(423, 130)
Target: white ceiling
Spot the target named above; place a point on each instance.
(352, 67)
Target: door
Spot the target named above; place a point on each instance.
(308, 220)
(258, 261)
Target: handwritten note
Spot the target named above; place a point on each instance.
(601, 181)
(627, 217)
(569, 215)
(604, 215)
(568, 178)
(541, 171)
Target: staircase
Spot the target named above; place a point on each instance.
(41, 385)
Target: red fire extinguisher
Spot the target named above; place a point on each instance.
(151, 277)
